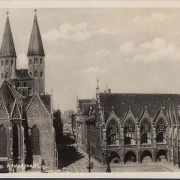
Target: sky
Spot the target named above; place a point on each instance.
(129, 50)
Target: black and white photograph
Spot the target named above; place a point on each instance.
(89, 90)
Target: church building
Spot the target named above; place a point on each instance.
(27, 135)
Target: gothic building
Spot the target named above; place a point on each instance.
(134, 127)
(26, 112)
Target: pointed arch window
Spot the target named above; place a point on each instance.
(112, 133)
(35, 61)
(35, 140)
(129, 132)
(6, 62)
(3, 141)
(41, 74)
(41, 61)
(35, 74)
(145, 129)
(2, 62)
(161, 131)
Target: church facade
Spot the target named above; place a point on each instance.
(133, 127)
(27, 135)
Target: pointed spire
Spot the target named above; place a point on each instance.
(35, 44)
(7, 46)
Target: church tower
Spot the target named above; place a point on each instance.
(7, 54)
(36, 58)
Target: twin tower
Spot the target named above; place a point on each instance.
(25, 81)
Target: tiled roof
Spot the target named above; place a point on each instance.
(7, 46)
(22, 74)
(137, 103)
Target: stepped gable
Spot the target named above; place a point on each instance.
(137, 103)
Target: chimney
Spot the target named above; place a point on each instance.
(109, 91)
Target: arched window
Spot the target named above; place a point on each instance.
(30, 61)
(41, 74)
(161, 131)
(145, 131)
(35, 135)
(129, 132)
(2, 63)
(6, 62)
(112, 133)
(35, 61)
(35, 74)
(3, 141)
(41, 61)
(7, 75)
(12, 62)
(2, 75)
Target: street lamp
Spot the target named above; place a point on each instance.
(108, 170)
(90, 164)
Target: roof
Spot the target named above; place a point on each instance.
(137, 103)
(7, 46)
(22, 74)
(9, 95)
(35, 44)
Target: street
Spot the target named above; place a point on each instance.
(75, 160)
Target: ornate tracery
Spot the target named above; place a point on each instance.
(129, 132)
(160, 131)
(35, 142)
(145, 129)
(112, 133)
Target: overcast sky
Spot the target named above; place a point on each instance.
(129, 50)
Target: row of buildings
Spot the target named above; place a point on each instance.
(28, 122)
(130, 127)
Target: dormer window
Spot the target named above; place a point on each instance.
(6, 62)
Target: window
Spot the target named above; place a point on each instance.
(6, 62)
(129, 132)
(25, 84)
(7, 75)
(3, 141)
(35, 61)
(145, 129)
(2, 75)
(35, 74)
(41, 61)
(41, 74)
(112, 133)
(35, 140)
(30, 61)
(160, 131)
(11, 62)
(2, 63)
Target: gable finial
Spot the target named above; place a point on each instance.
(35, 11)
(7, 12)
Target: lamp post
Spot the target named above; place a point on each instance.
(108, 170)
(90, 164)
